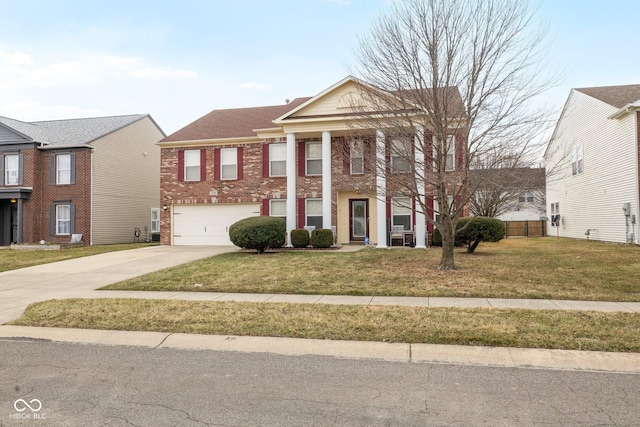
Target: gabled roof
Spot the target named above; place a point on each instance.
(616, 96)
(518, 178)
(71, 132)
(233, 123)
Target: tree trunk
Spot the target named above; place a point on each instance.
(448, 244)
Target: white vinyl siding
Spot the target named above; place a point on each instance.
(122, 201)
(593, 199)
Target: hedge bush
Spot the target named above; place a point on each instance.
(259, 233)
(321, 238)
(479, 229)
(299, 238)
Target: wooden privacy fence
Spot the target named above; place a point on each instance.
(526, 228)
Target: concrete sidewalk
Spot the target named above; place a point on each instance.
(78, 278)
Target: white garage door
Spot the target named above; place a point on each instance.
(208, 224)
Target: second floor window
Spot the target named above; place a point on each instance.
(63, 169)
(400, 154)
(450, 163)
(12, 169)
(229, 163)
(577, 160)
(313, 157)
(356, 156)
(277, 159)
(192, 165)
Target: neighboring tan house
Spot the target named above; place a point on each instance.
(299, 161)
(94, 177)
(593, 166)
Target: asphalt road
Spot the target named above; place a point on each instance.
(45, 383)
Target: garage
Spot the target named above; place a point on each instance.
(208, 224)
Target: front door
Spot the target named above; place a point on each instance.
(359, 219)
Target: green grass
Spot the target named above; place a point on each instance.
(513, 268)
(488, 327)
(14, 259)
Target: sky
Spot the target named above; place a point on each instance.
(178, 60)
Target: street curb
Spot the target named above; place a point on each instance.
(398, 352)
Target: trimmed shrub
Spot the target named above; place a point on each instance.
(470, 231)
(321, 238)
(259, 233)
(299, 238)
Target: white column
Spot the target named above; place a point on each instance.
(420, 228)
(326, 180)
(381, 183)
(291, 185)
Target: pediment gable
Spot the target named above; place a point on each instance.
(11, 136)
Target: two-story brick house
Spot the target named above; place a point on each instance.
(95, 177)
(304, 161)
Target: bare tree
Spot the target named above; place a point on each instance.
(454, 80)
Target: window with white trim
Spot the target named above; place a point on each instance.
(155, 220)
(450, 163)
(401, 212)
(63, 220)
(313, 213)
(277, 159)
(577, 160)
(192, 165)
(313, 157)
(278, 208)
(63, 169)
(356, 156)
(526, 198)
(401, 152)
(228, 163)
(12, 169)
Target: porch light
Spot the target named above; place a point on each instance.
(14, 201)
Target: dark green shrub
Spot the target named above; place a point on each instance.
(259, 233)
(470, 231)
(321, 238)
(299, 238)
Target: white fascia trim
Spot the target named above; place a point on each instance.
(206, 142)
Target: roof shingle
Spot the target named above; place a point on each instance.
(617, 96)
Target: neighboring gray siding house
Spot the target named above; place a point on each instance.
(592, 165)
(98, 177)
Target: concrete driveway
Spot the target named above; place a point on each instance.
(72, 278)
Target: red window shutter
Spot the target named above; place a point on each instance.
(302, 218)
(240, 165)
(430, 213)
(346, 157)
(216, 164)
(301, 159)
(203, 164)
(180, 165)
(265, 207)
(265, 160)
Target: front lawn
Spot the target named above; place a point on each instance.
(513, 268)
(490, 327)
